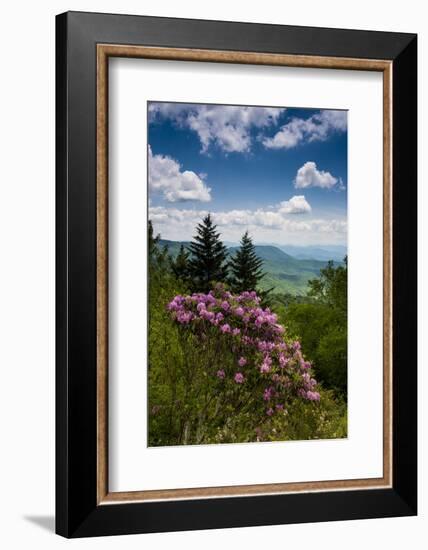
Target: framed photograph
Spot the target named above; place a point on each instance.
(236, 274)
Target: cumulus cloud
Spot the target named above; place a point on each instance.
(296, 205)
(318, 127)
(269, 217)
(266, 224)
(167, 177)
(226, 126)
(308, 175)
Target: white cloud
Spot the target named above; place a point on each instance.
(264, 225)
(317, 127)
(273, 217)
(309, 176)
(296, 205)
(226, 126)
(289, 136)
(166, 177)
(175, 111)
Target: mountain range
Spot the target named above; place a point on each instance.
(284, 272)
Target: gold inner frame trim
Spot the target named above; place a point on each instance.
(104, 51)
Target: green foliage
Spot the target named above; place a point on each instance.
(304, 420)
(208, 256)
(165, 354)
(332, 358)
(245, 266)
(193, 406)
(187, 407)
(322, 326)
(331, 287)
(180, 266)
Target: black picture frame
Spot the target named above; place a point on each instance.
(77, 511)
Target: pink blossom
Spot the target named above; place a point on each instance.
(312, 395)
(279, 329)
(265, 367)
(239, 378)
(267, 394)
(258, 343)
(184, 317)
(176, 303)
(282, 360)
(265, 346)
(259, 321)
(208, 315)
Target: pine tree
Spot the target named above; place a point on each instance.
(180, 265)
(246, 266)
(152, 240)
(158, 257)
(208, 256)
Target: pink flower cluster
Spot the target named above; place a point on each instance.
(255, 338)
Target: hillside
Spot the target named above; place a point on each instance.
(284, 273)
(324, 253)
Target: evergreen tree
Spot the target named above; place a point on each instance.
(246, 266)
(208, 256)
(180, 266)
(152, 241)
(158, 257)
(153, 248)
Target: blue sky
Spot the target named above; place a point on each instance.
(281, 173)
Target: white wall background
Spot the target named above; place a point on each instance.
(27, 89)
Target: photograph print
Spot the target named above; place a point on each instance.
(247, 273)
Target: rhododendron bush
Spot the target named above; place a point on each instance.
(259, 354)
(239, 373)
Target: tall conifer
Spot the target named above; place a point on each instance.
(208, 256)
(245, 266)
